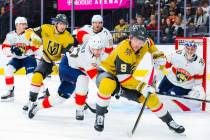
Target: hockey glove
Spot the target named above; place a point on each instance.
(16, 50)
(159, 59)
(145, 89)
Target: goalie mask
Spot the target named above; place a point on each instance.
(189, 50)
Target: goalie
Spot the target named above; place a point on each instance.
(186, 74)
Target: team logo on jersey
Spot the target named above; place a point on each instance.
(182, 75)
(53, 48)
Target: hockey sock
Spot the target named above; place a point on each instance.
(80, 101)
(9, 82)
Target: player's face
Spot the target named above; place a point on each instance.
(96, 52)
(61, 27)
(136, 43)
(21, 27)
(190, 51)
(97, 26)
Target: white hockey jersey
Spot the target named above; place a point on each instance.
(13, 38)
(81, 58)
(84, 32)
(183, 73)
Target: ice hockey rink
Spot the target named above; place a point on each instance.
(59, 122)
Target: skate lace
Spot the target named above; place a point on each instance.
(100, 120)
(173, 124)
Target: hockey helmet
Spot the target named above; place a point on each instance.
(97, 18)
(19, 20)
(139, 32)
(61, 18)
(95, 42)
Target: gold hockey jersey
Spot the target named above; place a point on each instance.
(53, 43)
(123, 61)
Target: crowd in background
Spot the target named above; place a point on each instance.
(145, 13)
(172, 21)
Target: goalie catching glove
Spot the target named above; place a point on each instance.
(17, 50)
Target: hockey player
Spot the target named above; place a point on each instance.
(115, 75)
(56, 40)
(22, 51)
(96, 28)
(186, 74)
(74, 69)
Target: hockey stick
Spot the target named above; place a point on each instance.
(139, 116)
(184, 97)
(90, 108)
(93, 110)
(143, 107)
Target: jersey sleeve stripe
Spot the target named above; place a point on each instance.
(108, 50)
(168, 65)
(5, 46)
(80, 36)
(125, 79)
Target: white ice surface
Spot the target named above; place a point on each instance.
(59, 123)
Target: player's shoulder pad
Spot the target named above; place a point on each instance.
(122, 46)
(11, 32)
(86, 26)
(67, 34)
(47, 27)
(106, 30)
(28, 33)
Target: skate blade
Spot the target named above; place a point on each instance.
(179, 134)
(8, 100)
(80, 122)
(97, 133)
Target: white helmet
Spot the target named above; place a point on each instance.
(95, 42)
(19, 20)
(97, 18)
